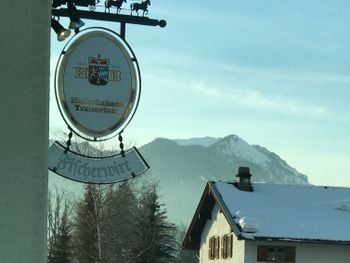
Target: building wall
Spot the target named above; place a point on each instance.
(305, 253)
(218, 226)
(24, 89)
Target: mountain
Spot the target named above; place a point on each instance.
(182, 169)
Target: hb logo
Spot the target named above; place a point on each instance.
(98, 70)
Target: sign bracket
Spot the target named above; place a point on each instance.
(122, 30)
(102, 16)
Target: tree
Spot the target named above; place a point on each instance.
(63, 251)
(87, 234)
(59, 227)
(120, 210)
(156, 236)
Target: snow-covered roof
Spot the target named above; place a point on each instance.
(287, 212)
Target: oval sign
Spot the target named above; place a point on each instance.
(97, 84)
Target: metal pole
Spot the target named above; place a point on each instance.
(122, 30)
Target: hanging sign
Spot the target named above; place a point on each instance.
(97, 84)
(99, 170)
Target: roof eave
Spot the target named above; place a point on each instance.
(296, 240)
(188, 242)
(234, 227)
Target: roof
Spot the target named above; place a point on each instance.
(299, 213)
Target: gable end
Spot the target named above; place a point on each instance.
(209, 198)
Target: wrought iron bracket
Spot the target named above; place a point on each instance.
(129, 19)
(103, 16)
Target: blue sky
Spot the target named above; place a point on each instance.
(276, 73)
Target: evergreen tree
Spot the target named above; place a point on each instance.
(156, 236)
(120, 209)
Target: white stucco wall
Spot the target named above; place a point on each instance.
(218, 226)
(305, 253)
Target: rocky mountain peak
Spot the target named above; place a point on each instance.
(233, 145)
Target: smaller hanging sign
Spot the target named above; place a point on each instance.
(98, 170)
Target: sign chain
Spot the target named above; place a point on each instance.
(121, 145)
(69, 142)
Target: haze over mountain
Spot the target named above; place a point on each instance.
(182, 167)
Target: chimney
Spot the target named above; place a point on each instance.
(243, 179)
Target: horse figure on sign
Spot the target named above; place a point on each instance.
(116, 3)
(140, 6)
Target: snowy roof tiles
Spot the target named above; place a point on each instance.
(287, 212)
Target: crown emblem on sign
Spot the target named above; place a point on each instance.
(98, 60)
(98, 70)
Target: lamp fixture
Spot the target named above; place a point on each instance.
(75, 21)
(61, 32)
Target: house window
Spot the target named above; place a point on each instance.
(226, 246)
(282, 254)
(214, 245)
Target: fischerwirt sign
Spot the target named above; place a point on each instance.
(97, 85)
(88, 169)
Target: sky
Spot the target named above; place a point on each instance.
(275, 73)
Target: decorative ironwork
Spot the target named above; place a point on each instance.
(91, 4)
(63, 8)
(140, 6)
(117, 3)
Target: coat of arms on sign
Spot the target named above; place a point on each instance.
(98, 70)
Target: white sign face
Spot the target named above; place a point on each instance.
(87, 169)
(97, 85)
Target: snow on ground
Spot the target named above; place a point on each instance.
(290, 211)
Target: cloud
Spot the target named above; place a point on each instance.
(285, 73)
(254, 88)
(253, 99)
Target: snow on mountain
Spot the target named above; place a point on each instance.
(267, 165)
(235, 150)
(202, 141)
(234, 146)
(280, 166)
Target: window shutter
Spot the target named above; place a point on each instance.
(229, 245)
(210, 248)
(262, 253)
(290, 254)
(222, 247)
(217, 247)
